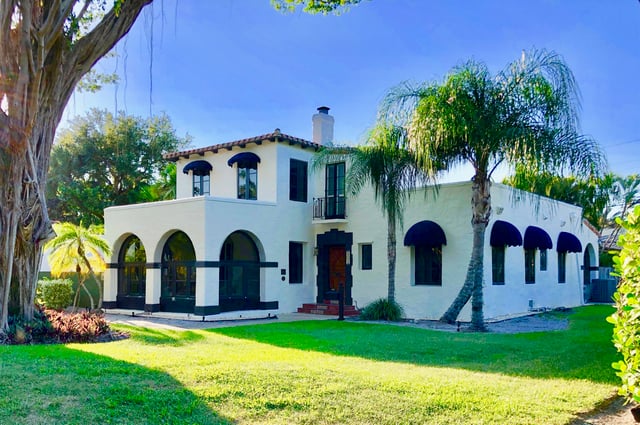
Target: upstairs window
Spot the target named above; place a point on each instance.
(247, 164)
(298, 180)
(248, 181)
(201, 184)
(201, 179)
(334, 191)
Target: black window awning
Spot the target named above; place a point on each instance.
(504, 233)
(536, 238)
(568, 242)
(425, 233)
(244, 160)
(199, 168)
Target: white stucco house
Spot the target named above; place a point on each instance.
(253, 227)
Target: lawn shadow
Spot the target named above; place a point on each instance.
(584, 351)
(57, 384)
(153, 336)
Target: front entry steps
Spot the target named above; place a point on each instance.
(328, 308)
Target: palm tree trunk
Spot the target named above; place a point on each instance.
(473, 284)
(391, 256)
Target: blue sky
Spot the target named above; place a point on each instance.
(230, 69)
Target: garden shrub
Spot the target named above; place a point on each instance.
(52, 326)
(382, 309)
(626, 319)
(55, 294)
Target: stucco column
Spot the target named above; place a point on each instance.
(152, 290)
(110, 287)
(207, 291)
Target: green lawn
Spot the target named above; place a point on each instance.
(314, 372)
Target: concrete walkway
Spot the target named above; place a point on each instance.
(180, 322)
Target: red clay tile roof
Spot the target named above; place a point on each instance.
(276, 136)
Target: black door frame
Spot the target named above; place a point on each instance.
(333, 237)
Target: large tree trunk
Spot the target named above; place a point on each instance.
(40, 66)
(473, 284)
(391, 255)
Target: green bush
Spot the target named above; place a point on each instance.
(55, 294)
(382, 309)
(626, 319)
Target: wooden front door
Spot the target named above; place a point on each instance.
(337, 267)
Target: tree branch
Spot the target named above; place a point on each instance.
(93, 46)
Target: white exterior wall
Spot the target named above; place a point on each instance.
(224, 179)
(209, 220)
(273, 220)
(451, 209)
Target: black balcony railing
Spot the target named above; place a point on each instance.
(329, 207)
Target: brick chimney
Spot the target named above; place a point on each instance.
(322, 126)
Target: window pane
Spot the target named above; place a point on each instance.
(428, 265)
(543, 259)
(497, 264)
(562, 271)
(298, 181)
(529, 266)
(295, 262)
(366, 256)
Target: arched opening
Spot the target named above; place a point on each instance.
(178, 287)
(132, 274)
(588, 269)
(239, 273)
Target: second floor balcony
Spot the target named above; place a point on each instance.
(329, 208)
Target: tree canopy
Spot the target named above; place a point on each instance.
(102, 160)
(46, 48)
(591, 192)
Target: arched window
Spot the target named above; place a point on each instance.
(178, 287)
(132, 274)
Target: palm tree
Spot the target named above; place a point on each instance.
(78, 249)
(592, 193)
(526, 113)
(391, 170)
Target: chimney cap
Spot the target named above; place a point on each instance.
(323, 110)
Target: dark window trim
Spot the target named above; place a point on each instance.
(298, 180)
(198, 182)
(530, 266)
(366, 256)
(432, 256)
(544, 260)
(498, 254)
(562, 266)
(247, 166)
(296, 262)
